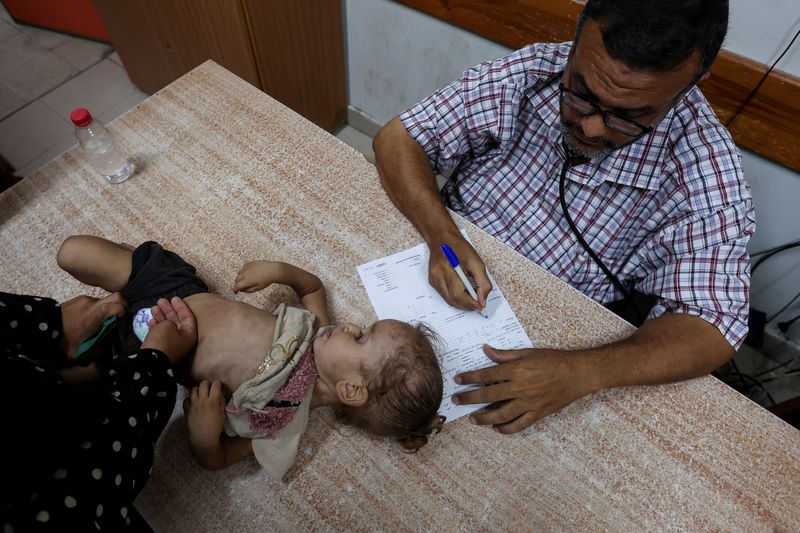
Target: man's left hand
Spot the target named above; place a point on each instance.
(530, 383)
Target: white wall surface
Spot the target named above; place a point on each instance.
(397, 55)
(762, 29)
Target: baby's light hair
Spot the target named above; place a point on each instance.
(405, 394)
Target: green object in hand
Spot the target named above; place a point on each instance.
(96, 337)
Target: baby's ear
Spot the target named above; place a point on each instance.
(352, 394)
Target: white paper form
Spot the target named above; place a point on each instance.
(398, 288)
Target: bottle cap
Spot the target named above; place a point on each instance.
(81, 117)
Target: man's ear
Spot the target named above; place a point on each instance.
(352, 394)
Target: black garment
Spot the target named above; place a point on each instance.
(74, 456)
(155, 273)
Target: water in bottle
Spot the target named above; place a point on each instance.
(101, 150)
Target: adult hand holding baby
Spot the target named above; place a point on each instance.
(173, 329)
(83, 315)
(95, 414)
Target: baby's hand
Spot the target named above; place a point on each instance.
(205, 414)
(256, 275)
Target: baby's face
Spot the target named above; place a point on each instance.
(349, 350)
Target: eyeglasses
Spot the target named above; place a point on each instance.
(586, 108)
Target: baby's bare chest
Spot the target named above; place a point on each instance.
(233, 339)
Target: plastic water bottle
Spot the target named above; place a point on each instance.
(98, 144)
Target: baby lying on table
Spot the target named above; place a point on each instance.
(256, 374)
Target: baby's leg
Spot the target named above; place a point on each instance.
(95, 261)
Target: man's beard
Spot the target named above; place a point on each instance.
(582, 150)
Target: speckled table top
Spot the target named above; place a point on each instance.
(225, 175)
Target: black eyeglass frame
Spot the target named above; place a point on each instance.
(643, 130)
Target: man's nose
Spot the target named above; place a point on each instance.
(593, 126)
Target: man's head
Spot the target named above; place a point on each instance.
(634, 59)
(659, 36)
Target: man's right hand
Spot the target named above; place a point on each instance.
(408, 178)
(173, 329)
(444, 279)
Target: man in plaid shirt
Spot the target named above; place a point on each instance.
(613, 129)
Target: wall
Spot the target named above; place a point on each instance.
(396, 56)
(761, 29)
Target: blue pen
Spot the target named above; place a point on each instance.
(453, 258)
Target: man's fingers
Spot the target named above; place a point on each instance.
(216, 389)
(458, 294)
(489, 374)
(518, 424)
(505, 356)
(482, 284)
(194, 394)
(492, 393)
(445, 280)
(202, 389)
(505, 413)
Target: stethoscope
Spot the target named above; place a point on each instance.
(571, 160)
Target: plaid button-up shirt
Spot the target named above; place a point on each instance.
(670, 214)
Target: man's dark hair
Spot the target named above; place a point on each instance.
(659, 35)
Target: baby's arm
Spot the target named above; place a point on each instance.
(256, 275)
(205, 417)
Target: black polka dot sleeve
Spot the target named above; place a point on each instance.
(31, 325)
(143, 382)
(83, 452)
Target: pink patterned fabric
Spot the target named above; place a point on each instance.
(274, 418)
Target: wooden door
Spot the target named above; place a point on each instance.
(299, 48)
(160, 40)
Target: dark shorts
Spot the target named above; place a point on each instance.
(155, 273)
